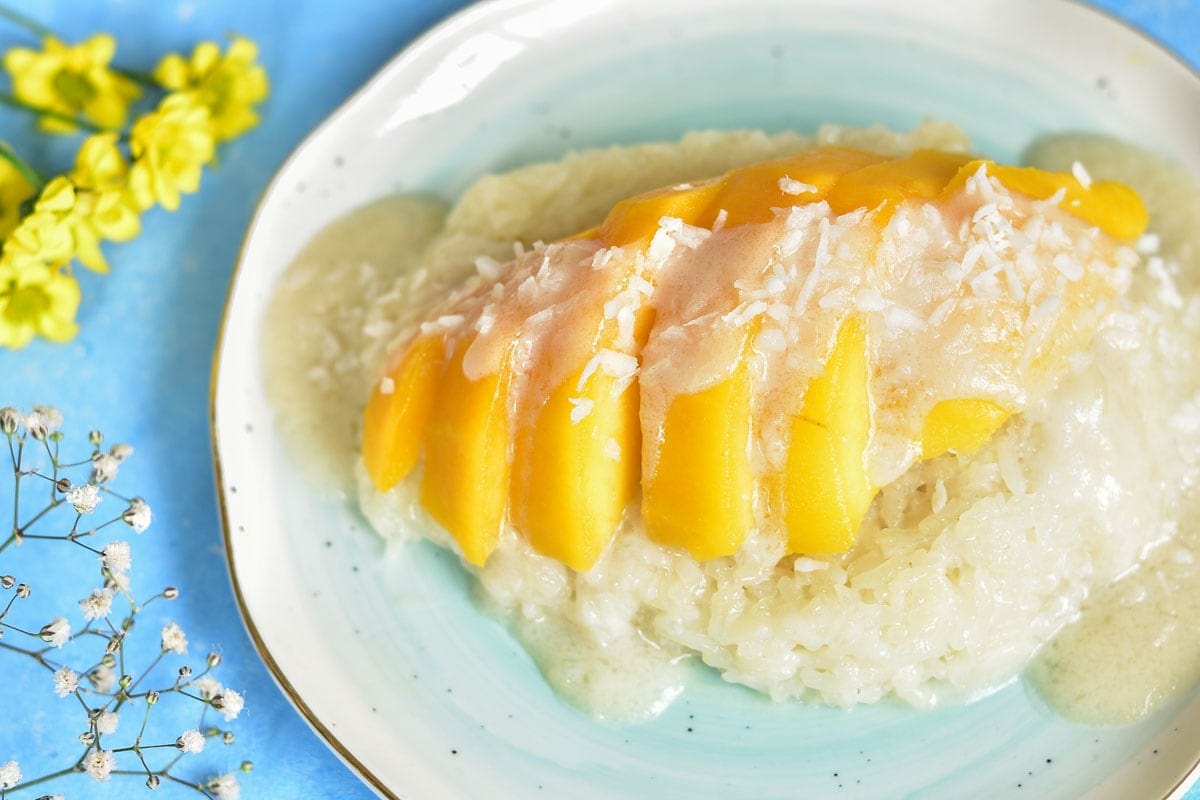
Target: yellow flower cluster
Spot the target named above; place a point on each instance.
(70, 80)
(207, 98)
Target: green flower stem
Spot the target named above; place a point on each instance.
(20, 20)
(15, 102)
(45, 778)
(31, 176)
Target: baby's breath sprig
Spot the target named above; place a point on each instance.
(58, 502)
(188, 106)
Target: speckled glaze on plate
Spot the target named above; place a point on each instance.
(387, 657)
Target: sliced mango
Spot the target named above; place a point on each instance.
(394, 422)
(574, 473)
(921, 176)
(960, 425)
(747, 195)
(750, 194)
(699, 495)
(825, 489)
(578, 449)
(1112, 207)
(465, 484)
(638, 217)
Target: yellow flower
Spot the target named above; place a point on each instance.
(170, 146)
(14, 190)
(228, 85)
(72, 80)
(36, 299)
(99, 164)
(86, 217)
(102, 207)
(41, 235)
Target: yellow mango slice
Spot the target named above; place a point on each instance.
(573, 478)
(825, 489)
(750, 194)
(700, 494)
(747, 195)
(394, 422)
(465, 484)
(637, 218)
(960, 425)
(921, 176)
(579, 451)
(1112, 207)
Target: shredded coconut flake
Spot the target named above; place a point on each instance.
(580, 408)
(1081, 175)
(719, 220)
(488, 268)
(791, 186)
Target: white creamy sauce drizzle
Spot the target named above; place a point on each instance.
(1137, 644)
(318, 353)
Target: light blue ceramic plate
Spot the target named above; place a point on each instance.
(387, 657)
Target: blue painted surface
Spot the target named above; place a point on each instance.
(140, 367)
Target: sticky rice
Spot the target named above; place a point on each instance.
(965, 565)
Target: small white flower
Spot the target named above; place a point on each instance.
(191, 741)
(102, 679)
(225, 787)
(173, 639)
(208, 687)
(107, 722)
(138, 515)
(100, 764)
(65, 681)
(84, 498)
(10, 771)
(43, 421)
(116, 557)
(104, 467)
(121, 451)
(57, 632)
(229, 703)
(97, 604)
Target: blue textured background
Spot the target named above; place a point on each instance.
(140, 367)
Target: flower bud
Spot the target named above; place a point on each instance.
(22, 590)
(126, 681)
(87, 738)
(151, 697)
(227, 737)
(7, 581)
(63, 485)
(95, 437)
(214, 660)
(185, 672)
(114, 645)
(108, 661)
(171, 592)
(247, 766)
(152, 782)
(10, 418)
